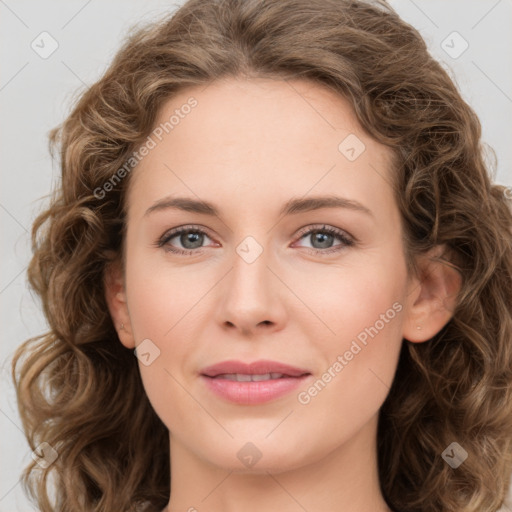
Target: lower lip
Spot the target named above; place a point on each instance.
(252, 393)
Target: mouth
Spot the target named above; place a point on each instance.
(253, 383)
(244, 377)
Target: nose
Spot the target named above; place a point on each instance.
(252, 296)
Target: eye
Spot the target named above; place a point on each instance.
(190, 237)
(323, 236)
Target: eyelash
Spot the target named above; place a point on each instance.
(346, 240)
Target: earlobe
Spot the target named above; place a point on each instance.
(115, 295)
(433, 296)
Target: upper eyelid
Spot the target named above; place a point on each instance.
(324, 227)
(180, 229)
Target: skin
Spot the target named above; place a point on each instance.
(248, 147)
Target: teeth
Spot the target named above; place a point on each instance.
(242, 377)
(257, 378)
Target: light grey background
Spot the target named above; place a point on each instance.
(36, 94)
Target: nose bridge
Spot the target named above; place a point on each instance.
(250, 276)
(250, 293)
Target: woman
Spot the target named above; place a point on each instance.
(282, 209)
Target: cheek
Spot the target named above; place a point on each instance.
(363, 309)
(359, 367)
(160, 294)
(162, 303)
(368, 308)
(160, 326)
(353, 298)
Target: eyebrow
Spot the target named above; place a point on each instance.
(293, 206)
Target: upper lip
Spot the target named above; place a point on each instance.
(255, 368)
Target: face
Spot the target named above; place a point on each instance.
(322, 289)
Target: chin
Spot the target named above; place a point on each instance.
(258, 457)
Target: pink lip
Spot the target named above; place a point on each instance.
(252, 393)
(254, 368)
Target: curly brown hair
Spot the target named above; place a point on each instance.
(79, 389)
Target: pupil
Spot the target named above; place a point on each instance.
(191, 237)
(324, 236)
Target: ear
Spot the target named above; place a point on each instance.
(432, 296)
(115, 295)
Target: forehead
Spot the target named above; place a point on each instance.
(260, 115)
(258, 135)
